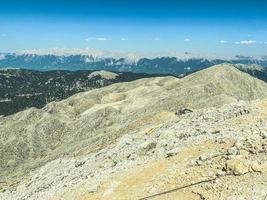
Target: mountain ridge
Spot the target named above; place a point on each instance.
(21, 88)
(111, 110)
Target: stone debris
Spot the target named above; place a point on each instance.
(132, 150)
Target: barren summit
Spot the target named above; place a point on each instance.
(138, 134)
(133, 100)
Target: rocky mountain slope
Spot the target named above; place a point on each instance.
(257, 71)
(254, 70)
(21, 88)
(133, 140)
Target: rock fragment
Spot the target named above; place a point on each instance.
(172, 152)
(237, 166)
(147, 146)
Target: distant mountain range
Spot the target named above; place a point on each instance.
(77, 59)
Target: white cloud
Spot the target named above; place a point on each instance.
(246, 42)
(124, 39)
(156, 39)
(98, 39)
(187, 40)
(3, 35)
(102, 39)
(265, 42)
(88, 39)
(223, 42)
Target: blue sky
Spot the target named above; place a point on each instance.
(202, 26)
